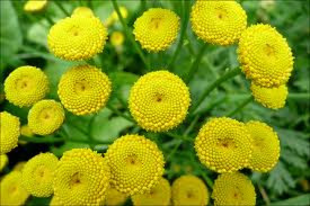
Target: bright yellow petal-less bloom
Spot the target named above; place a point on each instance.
(25, 86)
(117, 38)
(81, 178)
(77, 38)
(84, 89)
(45, 117)
(224, 145)
(83, 11)
(114, 197)
(10, 131)
(136, 164)
(266, 146)
(159, 101)
(35, 5)
(233, 189)
(218, 22)
(11, 190)
(156, 29)
(3, 161)
(189, 190)
(273, 98)
(19, 166)
(160, 194)
(265, 56)
(37, 174)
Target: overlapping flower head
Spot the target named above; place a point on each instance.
(83, 11)
(9, 131)
(3, 161)
(114, 197)
(35, 5)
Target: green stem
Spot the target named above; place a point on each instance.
(129, 35)
(48, 139)
(173, 151)
(240, 107)
(116, 111)
(184, 138)
(207, 179)
(90, 4)
(143, 5)
(229, 74)
(298, 96)
(49, 20)
(60, 6)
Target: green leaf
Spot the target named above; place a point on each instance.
(295, 201)
(37, 33)
(58, 151)
(293, 159)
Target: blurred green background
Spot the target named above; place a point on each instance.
(23, 41)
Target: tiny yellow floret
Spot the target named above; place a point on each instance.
(35, 5)
(9, 132)
(3, 161)
(114, 197)
(83, 12)
(117, 38)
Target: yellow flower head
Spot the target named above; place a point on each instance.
(117, 38)
(19, 166)
(26, 131)
(45, 117)
(83, 12)
(84, 89)
(25, 86)
(159, 101)
(81, 178)
(224, 145)
(114, 197)
(218, 22)
(11, 190)
(35, 5)
(114, 17)
(156, 29)
(189, 190)
(37, 175)
(233, 189)
(55, 201)
(265, 56)
(10, 131)
(160, 194)
(273, 98)
(136, 164)
(266, 149)
(3, 161)
(77, 38)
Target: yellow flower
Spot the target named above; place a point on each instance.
(156, 29)
(136, 164)
(114, 17)
(35, 5)
(117, 38)
(159, 101)
(233, 189)
(3, 161)
(10, 131)
(160, 194)
(45, 117)
(81, 178)
(265, 56)
(25, 131)
(83, 11)
(19, 166)
(273, 98)
(77, 38)
(189, 190)
(224, 145)
(25, 86)
(218, 22)
(266, 150)
(115, 197)
(55, 201)
(84, 90)
(37, 175)
(11, 190)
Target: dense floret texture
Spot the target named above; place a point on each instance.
(10, 131)
(114, 197)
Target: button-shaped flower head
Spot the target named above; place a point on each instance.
(189, 190)
(83, 12)
(25, 86)
(265, 56)
(233, 189)
(3, 161)
(156, 29)
(37, 174)
(136, 164)
(10, 131)
(35, 5)
(45, 117)
(159, 101)
(114, 197)
(84, 89)
(224, 145)
(218, 22)
(81, 178)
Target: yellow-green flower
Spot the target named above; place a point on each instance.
(10, 131)
(83, 12)
(3, 161)
(117, 38)
(114, 197)
(35, 5)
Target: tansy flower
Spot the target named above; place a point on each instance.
(25, 131)
(273, 98)
(25, 86)
(189, 190)
(156, 29)
(77, 38)
(35, 5)
(224, 145)
(84, 89)
(218, 22)
(19, 166)
(265, 56)
(81, 178)
(114, 17)
(114, 197)
(117, 38)
(10, 131)
(37, 175)
(11, 190)
(45, 117)
(160, 194)
(55, 201)
(3, 161)
(159, 101)
(136, 164)
(83, 12)
(233, 189)
(266, 146)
